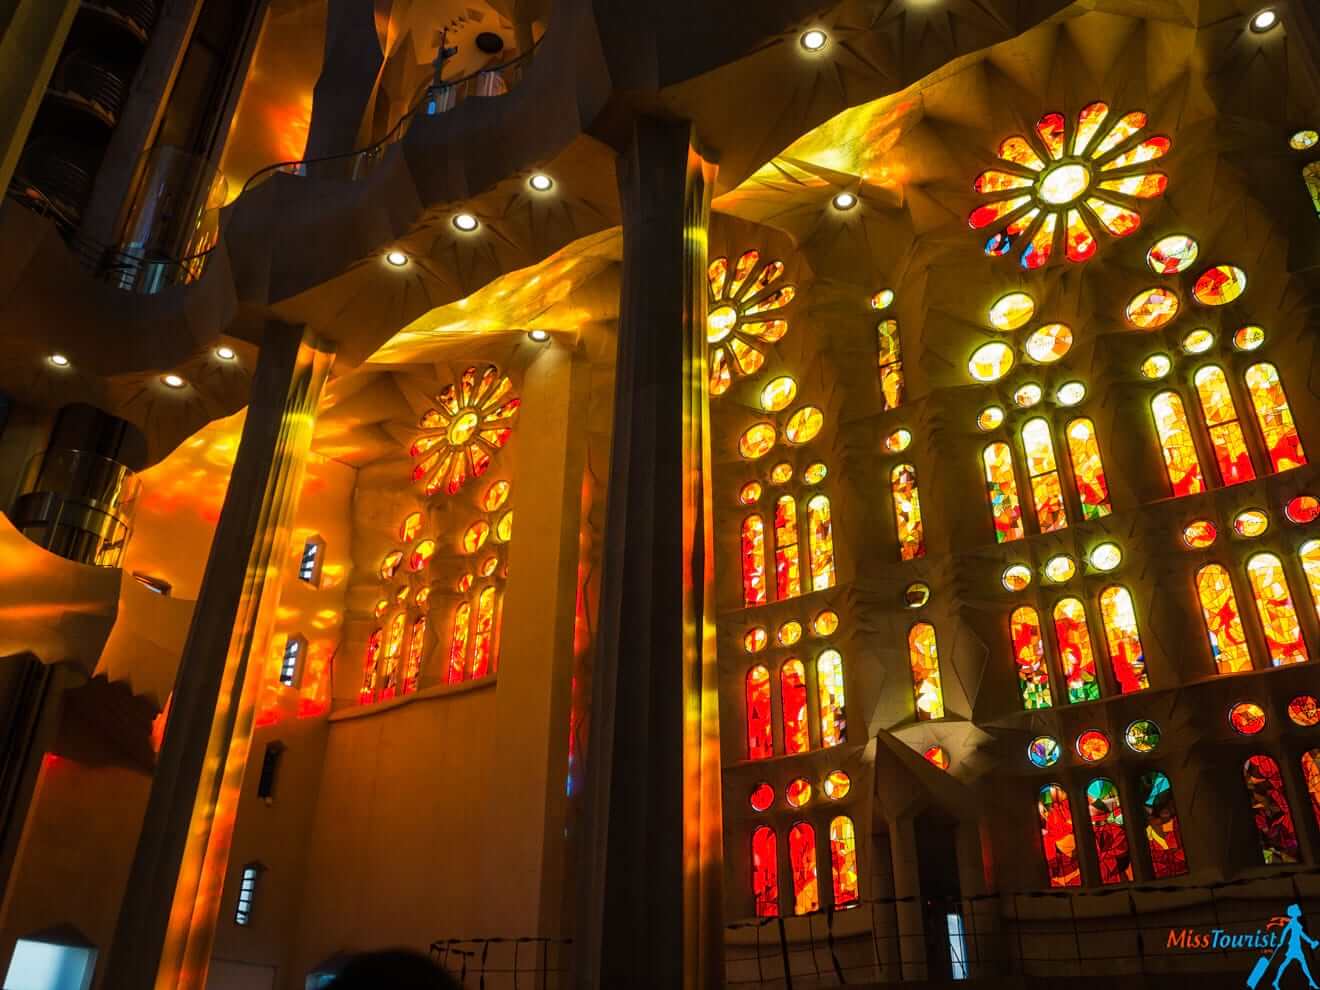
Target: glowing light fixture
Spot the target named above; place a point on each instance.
(844, 201)
(59, 360)
(466, 222)
(816, 39)
(173, 380)
(225, 353)
(1264, 19)
(540, 336)
(397, 258)
(541, 182)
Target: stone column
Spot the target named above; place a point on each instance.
(910, 914)
(167, 919)
(32, 33)
(651, 846)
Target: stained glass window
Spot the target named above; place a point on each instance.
(1001, 487)
(802, 859)
(1311, 176)
(925, 659)
(753, 560)
(389, 683)
(1223, 623)
(760, 732)
(1029, 656)
(1126, 656)
(891, 364)
(1309, 552)
(1269, 805)
(743, 316)
(1074, 640)
(1311, 775)
(829, 683)
(843, 861)
(1221, 419)
(793, 695)
(907, 512)
(1088, 470)
(1111, 841)
(788, 564)
(765, 872)
(368, 693)
(458, 642)
(483, 638)
(1046, 492)
(1274, 417)
(412, 670)
(1180, 460)
(1168, 857)
(1058, 842)
(471, 422)
(820, 543)
(1274, 605)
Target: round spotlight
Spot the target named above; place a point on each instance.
(1263, 20)
(173, 381)
(466, 222)
(541, 182)
(540, 336)
(225, 353)
(844, 201)
(396, 258)
(59, 360)
(813, 40)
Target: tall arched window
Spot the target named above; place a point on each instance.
(1029, 655)
(829, 683)
(1073, 636)
(368, 693)
(1127, 658)
(1221, 419)
(1274, 605)
(793, 695)
(907, 512)
(802, 860)
(753, 561)
(1046, 492)
(458, 642)
(1311, 177)
(1309, 554)
(412, 670)
(760, 731)
(1223, 623)
(483, 639)
(788, 562)
(765, 872)
(1269, 806)
(389, 681)
(1311, 775)
(1111, 841)
(843, 861)
(891, 364)
(820, 543)
(1176, 444)
(925, 659)
(1274, 417)
(1168, 857)
(1088, 469)
(1058, 842)
(1001, 488)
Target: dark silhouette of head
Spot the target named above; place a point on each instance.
(393, 969)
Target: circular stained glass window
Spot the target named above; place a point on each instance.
(804, 424)
(1220, 285)
(1060, 568)
(762, 796)
(1043, 751)
(464, 584)
(1049, 343)
(1016, 577)
(1173, 254)
(390, 565)
(496, 495)
(882, 299)
(1246, 717)
(1070, 393)
(1156, 366)
(990, 362)
(798, 792)
(1199, 533)
(489, 566)
(1250, 523)
(1198, 341)
(754, 639)
(756, 441)
(1093, 745)
(815, 473)
(1302, 509)
(1248, 338)
(916, 594)
(1152, 308)
(837, 785)
(1027, 395)
(781, 473)
(1303, 140)
(1142, 736)
(474, 537)
(421, 555)
(1106, 557)
(750, 493)
(898, 440)
(789, 633)
(1304, 710)
(989, 418)
(778, 393)
(1012, 311)
(381, 605)
(938, 757)
(825, 623)
(410, 527)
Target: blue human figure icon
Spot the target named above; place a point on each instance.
(1290, 940)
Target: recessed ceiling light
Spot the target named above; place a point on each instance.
(541, 182)
(540, 336)
(225, 353)
(813, 40)
(396, 258)
(173, 380)
(1264, 19)
(59, 360)
(844, 201)
(466, 222)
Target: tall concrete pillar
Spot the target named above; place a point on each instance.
(652, 848)
(911, 913)
(167, 919)
(32, 33)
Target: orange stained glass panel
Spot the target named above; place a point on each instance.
(802, 860)
(1088, 470)
(1050, 130)
(1127, 658)
(1270, 810)
(891, 364)
(1016, 150)
(1222, 420)
(411, 527)
(803, 425)
(1176, 444)
(1041, 246)
(756, 441)
(1146, 186)
(820, 543)
(1001, 489)
(495, 496)
(793, 695)
(1077, 238)
(458, 642)
(1029, 657)
(829, 683)
(421, 555)
(1124, 128)
(923, 654)
(1309, 553)
(368, 693)
(1274, 417)
(1046, 491)
(1058, 840)
(753, 561)
(1274, 605)
(389, 685)
(907, 512)
(986, 214)
(1089, 120)
(843, 861)
(994, 180)
(1073, 636)
(760, 731)
(1220, 285)
(1144, 151)
(1110, 834)
(412, 670)
(1152, 308)
(788, 563)
(483, 638)
(1223, 622)
(765, 872)
(1311, 776)
(1118, 220)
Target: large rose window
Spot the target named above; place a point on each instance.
(459, 437)
(743, 317)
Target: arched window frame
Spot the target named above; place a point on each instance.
(843, 862)
(765, 871)
(927, 684)
(788, 554)
(906, 496)
(1028, 646)
(1219, 412)
(803, 864)
(1222, 621)
(370, 666)
(1285, 645)
(1168, 855)
(820, 542)
(1088, 468)
(1058, 835)
(1276, 831)
(760, 730)
(793, 699)
(1000, 476)
(1127, 654)
(1076, 650)
(1104, 808)
(1283, 444)
(1043, 473)
(890, 363)
(753, 560)
(1178, 453)
(831, 698)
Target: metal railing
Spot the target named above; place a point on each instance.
(530, 963)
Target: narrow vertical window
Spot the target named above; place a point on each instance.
(788, 563)
(412, 670)
(1221, 419)
(1269, 807)
(270, 767)
(1058, 842)
(925, 659)
(793, 696)
(309, 567)
(368, 693)
(760, 732)
(458, 642)
(820, 543)
(907, 512)
(1168, 857)
(1073, 636)
(291, 665)
(765, 872)
(1180, 460)
(247, 893)
(1311, 775)
(1127, 658)
(829, 684)
(802, 859)
(1311, 177)
(1029, 656)
(483, 635)
(1309, 554)
(1223, 623)
(1274, 605)
(1088, 470)
(843, 861)
(1001, 488)
(1274, 417)
(1111, 841)
(891, 365)
(1046, 492)
(393, 653)
(753, 561)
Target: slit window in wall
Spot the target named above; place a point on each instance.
(1073, 636)
(1274, 605)
(1088, 469)
(247, 893)
(313, 556)
(820, 543)
(1001, 489)
(760, 732)
(270, 768)
(1046, 492)
(891, 364)
(412, 669)
(369, 668)
(1029, 656)
(802, 860)
(295, 649)
(1168, 857)
(1309, 554)
(788, 561)
(793, 695)
(483, 638)
(907, 512)
(1311, 179)
(1221, 420)
(765, 872)
(1108, 830)
(458, 642)
(1058, 841)
(923, 654)
(1127, 657)
(753, 561)
(1176, 445)
(843, 861)
(1269, 807)
(829, 681)
(1311, 777)
(1223, 622)
(1274, 418)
